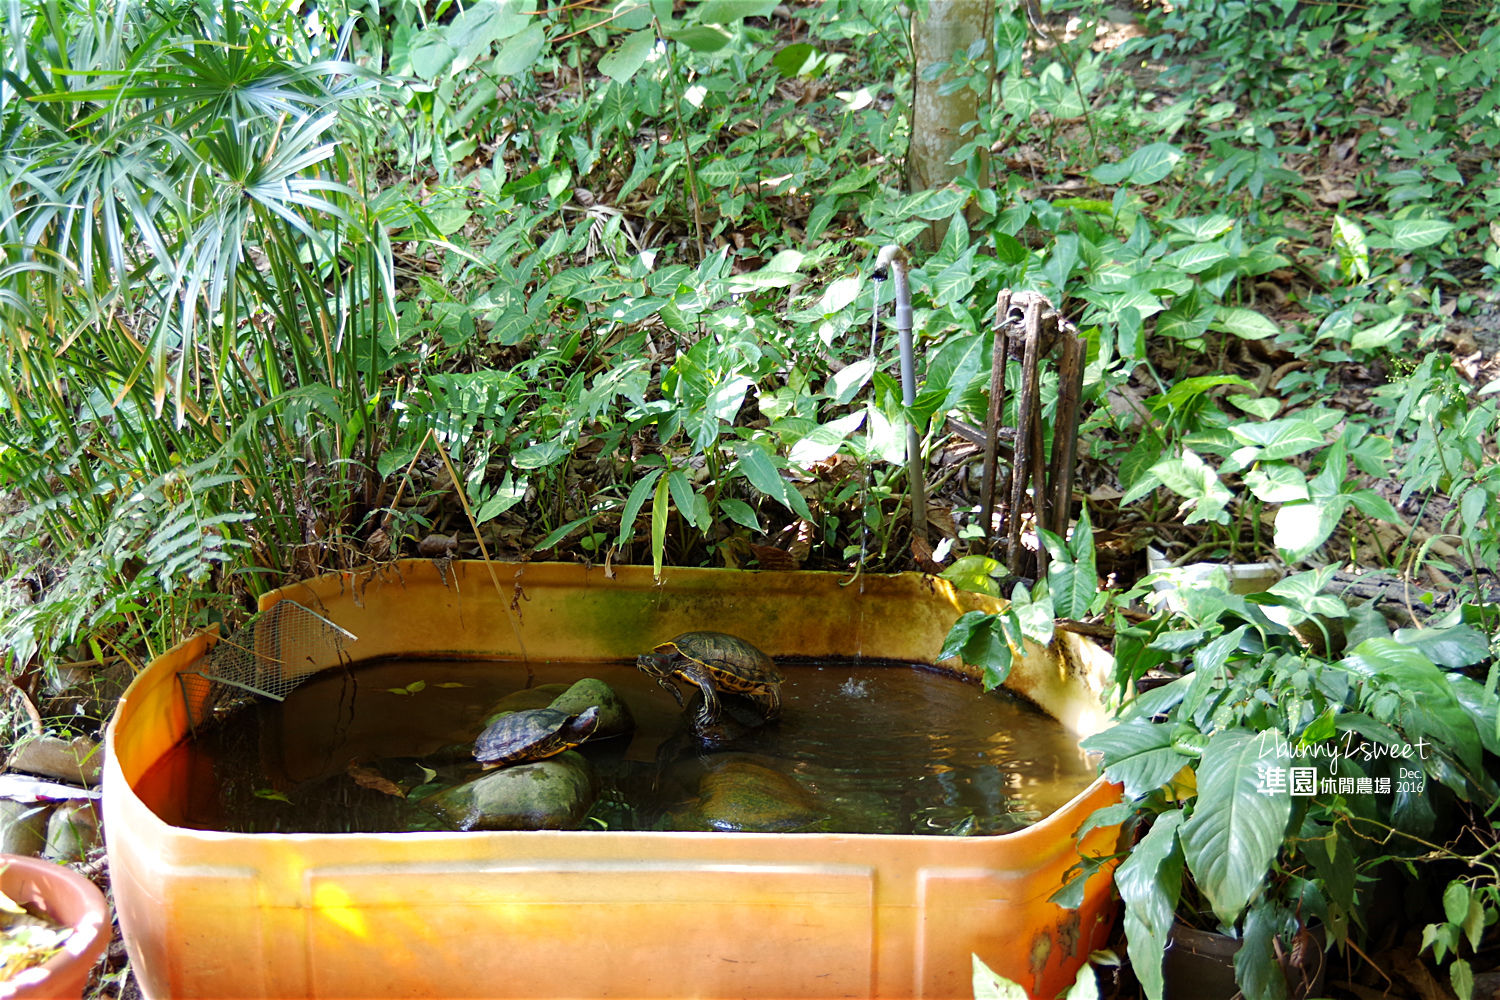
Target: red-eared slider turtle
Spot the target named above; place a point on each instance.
(715, 662)
(533, 734)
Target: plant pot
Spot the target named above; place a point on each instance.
(69, 899)
(538, 913)
(1241, 578)
(1199, 965)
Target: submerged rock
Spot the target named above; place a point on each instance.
(739, 795)
(551, 794)
(614, 715)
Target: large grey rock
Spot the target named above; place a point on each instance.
(614, 715)
(79, 761)
(740, 795)
(551, 794)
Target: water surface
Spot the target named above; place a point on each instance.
(889, 748)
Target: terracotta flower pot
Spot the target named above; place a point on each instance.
(70, 899)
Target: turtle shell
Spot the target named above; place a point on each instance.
(733, 663)
(533, 734)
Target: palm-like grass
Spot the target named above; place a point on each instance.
(190, 288)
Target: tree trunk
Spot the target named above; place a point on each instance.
(947, 29)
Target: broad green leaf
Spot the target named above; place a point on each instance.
(1237, 825)
(824, 439)
(1244, 323)
(1279, 439)
(539, 456)
(727, 397)
(1277, 482)
(1146, 165)
(729, 11)
(498, 504)
(1196, 258)
(431, 53)
(1452, 647)
(740, 512)
(1071, 576)
(840, 295)
(560, 533)
(1372, 504)
(961, 631)
(1150, 884)
(950, 372)
(1187, 389)
(989, 985)
(1482, 707)
(1202, 228)
(519, 52)
(979, 639)
(1380, 335)
(1256, 968)
(701, 37)
(954, 282)
(936, 203)
(1009, 250)
(976, 573)
(1190, 477)
(1305, 592)
(1353, 249)
(1264, 407)
(689, 504)
(756, 464)
(622, 62)
(1137, 755)
(1413, 234)
(633, 503)
(1304, 525)
(1428, 706)
(793, 59)
(847, 381)
(487, 22)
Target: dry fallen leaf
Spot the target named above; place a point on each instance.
(368, 777)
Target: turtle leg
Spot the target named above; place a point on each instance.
(769, 701)
(709, 712)
(672, 688)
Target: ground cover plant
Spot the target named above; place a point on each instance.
(286, 289)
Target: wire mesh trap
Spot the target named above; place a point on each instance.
(266, 657)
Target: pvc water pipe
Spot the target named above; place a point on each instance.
(894, 261)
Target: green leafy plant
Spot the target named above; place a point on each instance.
(1271, 775)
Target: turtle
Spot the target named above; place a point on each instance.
(715, 662)
(533, 734)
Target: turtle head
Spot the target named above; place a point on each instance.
(655, 663)
(584, 723)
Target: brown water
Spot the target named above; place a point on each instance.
(875, 749)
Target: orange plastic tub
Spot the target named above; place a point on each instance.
(602, 913)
